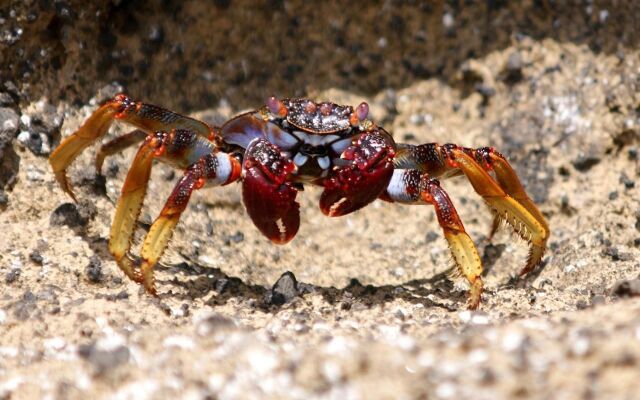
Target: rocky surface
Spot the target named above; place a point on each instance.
(355, 307)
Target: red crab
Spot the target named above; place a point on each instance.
(278, 148)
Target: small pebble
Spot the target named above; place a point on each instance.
(66, 214)
(284, 290)
(94, 269)
(36, 257)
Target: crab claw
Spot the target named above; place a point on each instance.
(362, 180)
(268, 198)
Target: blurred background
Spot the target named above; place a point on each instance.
(192, 54)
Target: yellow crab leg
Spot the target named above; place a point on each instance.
(504, 195)
(94, 127)
(128, 209)
(410, 186)
(511, 203)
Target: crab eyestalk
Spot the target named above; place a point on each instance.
(276, 107)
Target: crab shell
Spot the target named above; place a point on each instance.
(291, 142)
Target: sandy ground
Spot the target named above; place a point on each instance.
(367, 310)
(374, 314)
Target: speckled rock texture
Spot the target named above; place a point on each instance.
(357, 307)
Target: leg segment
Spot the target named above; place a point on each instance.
(144, 116)
(117, 145)
(212, 169)
(179, 147)
(128, 209)
(504, 195)
(413, 187)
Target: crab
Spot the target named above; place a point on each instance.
(277, 149)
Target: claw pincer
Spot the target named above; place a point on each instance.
(269, 199)
(363, 179)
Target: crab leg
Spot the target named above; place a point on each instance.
(117, 145)
(128, 209)
(181, 148)
(144, 116)
(504, 195)
(213, 169)
(413, 187)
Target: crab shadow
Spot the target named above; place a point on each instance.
(219, 288)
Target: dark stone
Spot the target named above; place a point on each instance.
(12, 275)
(41, 126)
(584, 162)
(627, 288)
(215, 322)
(284, 290)
(67, 214)
(235, 238)
(485, 90)
(626, 181)
(581, 305)
(431, 236)
(36, 257)
(513, 69)
(104, 360)
(25, 307)
(94, 270)
(9, 160)
(4, 200)
(616, 255)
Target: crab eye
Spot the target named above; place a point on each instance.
(276, 107)
(362, 111)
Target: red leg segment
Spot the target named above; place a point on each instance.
(117, 145)
(212, 169)
(414, 187)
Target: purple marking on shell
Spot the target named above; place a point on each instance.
(310, 107)
(243, 130)
(362, 111)
(279, 137)
(273, 104)
(325, 109)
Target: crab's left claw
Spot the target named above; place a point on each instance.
(268, 198)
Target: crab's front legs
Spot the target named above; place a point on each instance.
(413, 187)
